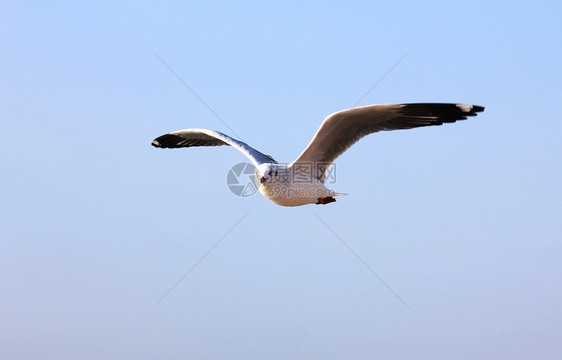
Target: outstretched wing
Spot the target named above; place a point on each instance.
(204, 137)
(342, 129)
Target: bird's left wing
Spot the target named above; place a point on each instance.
(344, 128)
(205, 137)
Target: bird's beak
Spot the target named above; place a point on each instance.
(263, 179)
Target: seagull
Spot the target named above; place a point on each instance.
(302, 181)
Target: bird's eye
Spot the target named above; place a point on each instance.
(275, 172)
(270, 172)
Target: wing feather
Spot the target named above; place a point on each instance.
(341, 130)
(205, 137)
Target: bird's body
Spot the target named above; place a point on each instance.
(302, 181)
(292, 185)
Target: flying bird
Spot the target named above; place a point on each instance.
(302, 181)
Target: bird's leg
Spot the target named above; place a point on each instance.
(325, 200)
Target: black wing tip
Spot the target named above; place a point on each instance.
(167, 141)
(173, 141)
(446, 112)
(477, 108)
(462, 106)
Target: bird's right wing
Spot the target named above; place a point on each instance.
(205, 137)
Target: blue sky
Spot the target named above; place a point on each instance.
(461, 221)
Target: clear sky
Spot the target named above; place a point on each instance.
(462, 221)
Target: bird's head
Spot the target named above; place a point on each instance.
(267, 172)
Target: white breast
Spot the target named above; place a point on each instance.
(294, 193)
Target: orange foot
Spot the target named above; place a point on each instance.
(325, 200)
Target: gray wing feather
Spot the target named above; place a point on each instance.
(342, 129)
(205, 137)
